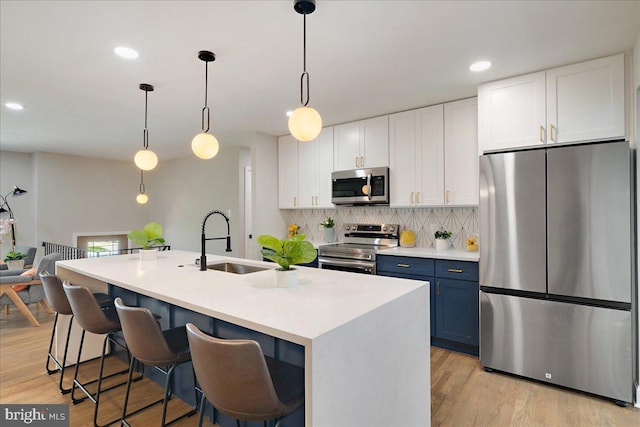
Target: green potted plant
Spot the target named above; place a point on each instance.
(329, 230)
(15, 260)
(286, 253)
(442, 242)
(147, 238)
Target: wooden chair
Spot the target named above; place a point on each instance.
(33, 293)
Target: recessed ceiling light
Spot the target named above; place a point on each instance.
(480, 66)
(289, 113)
(14, 106)
(126, 52)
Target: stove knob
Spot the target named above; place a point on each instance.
(392, 229)
(347, 227)
(384, 229)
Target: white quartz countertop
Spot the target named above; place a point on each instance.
(452, 254)
(323, 301)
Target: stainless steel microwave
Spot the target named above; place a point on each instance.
(360, 186)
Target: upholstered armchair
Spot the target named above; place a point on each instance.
(28, 261)
(20, 287)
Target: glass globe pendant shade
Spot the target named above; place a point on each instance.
(142, 198)
(146, 160)
(205, 145)
(305, 124)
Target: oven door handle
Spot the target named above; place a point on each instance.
(369, 186)
(360, 257)
(351, 264)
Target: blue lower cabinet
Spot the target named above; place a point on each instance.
(457, 311)
(454, 295)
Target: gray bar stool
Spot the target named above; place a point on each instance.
(153, 347)
(241, 382)
(92, 318)
(54, 293)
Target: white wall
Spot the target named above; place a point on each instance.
(184, 190)
(16, 169)
(267, 218)
(82, 195)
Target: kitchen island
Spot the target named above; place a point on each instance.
(365, 339)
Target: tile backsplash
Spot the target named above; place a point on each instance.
(462, 222)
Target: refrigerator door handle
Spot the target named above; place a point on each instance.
(437, 289)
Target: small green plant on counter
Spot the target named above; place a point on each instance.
(148, 237)
(328, 223)
(442, 234)
(14, 256)
(287, 252)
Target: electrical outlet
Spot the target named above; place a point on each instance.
(547, 375)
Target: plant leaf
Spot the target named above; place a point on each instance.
(153, 230)
(139, 237)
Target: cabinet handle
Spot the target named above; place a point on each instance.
(295, 201)
(541, 133)
(356, 161)
(551, 127)
(403, 265)
(437, 288)
(447, 196)
(412, 197)
(361, 161)
(418, 197)
(455, 270)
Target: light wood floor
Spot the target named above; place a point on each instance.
(462, 393)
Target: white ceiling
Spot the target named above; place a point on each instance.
(365, 58)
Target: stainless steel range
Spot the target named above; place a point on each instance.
(357, 252)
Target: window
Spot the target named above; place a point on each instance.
(103, 245)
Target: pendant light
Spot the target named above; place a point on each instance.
(305, 123)
(142, 198)
(205, 145)
(145, 159)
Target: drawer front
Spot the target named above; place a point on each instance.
(407, 266)
(461, 270)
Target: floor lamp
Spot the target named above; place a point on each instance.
(15, 192)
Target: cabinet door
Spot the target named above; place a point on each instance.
(324, 159)
(374, 142)
(346, 147)
(457, 310)
(586, 101)
(287, 172)
(402, 158)
(307, 174)
(429, 156)
(512, 112)
(461, 152)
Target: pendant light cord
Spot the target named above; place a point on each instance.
(141, 182)
(206, 89)
(305, 75)
(145, 133)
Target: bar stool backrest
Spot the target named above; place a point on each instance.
(234, 376)
(54, 293)
(87, 311)
(143, 335)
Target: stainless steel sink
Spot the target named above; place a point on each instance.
(231, 267)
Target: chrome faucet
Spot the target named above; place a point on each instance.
(203, 239)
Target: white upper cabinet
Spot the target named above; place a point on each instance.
(512, 112)
(416, 157)
(586, 101)
(579, 102)
(461, 152)
(304, 171)
(361, 144)
(287, 172)
(315, 164)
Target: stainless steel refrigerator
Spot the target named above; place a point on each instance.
(557, 270)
